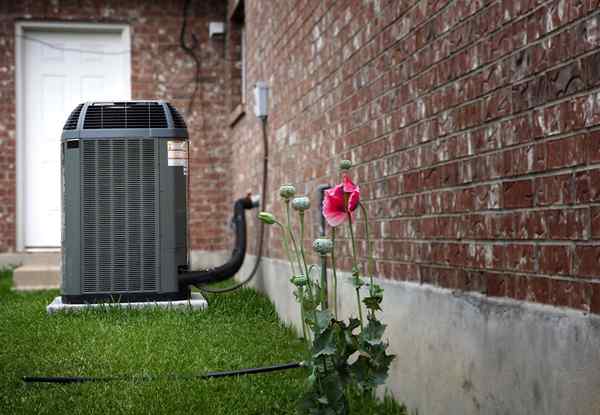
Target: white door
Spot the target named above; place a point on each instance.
(60, 70)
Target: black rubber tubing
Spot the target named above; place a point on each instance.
(231, 267)
(261, 230)
(148, 378)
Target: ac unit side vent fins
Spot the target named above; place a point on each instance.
(71, 123)
(119, 216)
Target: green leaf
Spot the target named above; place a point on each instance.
(373, 302)
(356, 280)
(322, 320)
(376, 290)
(353, 323)
(323, 400)
(324, 344)
(309, 304)
(373, 332)
(369, 373)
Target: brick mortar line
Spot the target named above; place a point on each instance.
(479, 69)
(487, 212)
(338, 68)
(497, 120)
(394, 45)
(494, 122)
(290, 35)
(300, 41)
(465, 47)
(583, 280)
(396, 42)
(497, 181)
(549, 172)
(526, 111)
(545, 139)
(499, 242)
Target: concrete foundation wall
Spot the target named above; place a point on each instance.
(464, 353)
(200, 259)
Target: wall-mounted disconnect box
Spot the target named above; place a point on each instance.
(216, 29)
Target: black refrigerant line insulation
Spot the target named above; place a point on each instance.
(149, 378)
(230, 268)
(261, 225)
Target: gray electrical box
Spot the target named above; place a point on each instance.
(124, 187)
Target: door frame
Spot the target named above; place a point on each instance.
(21, 27)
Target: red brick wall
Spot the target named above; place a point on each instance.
(160, 70)
(474, 126)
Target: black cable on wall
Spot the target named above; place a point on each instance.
(190, 50)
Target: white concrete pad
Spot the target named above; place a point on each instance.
(196, 302)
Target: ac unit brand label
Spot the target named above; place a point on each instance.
(177, 154)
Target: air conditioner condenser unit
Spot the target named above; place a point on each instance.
(124, 178)
(125, 192)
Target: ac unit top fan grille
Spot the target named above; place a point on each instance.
(178, 121)
(125, 115)
(71, 123)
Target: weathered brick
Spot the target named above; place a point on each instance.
(520, 257)
(554, 190)
(595, 298)
(496, 284)
(555, 259)
(587, 186)
(595, 222)
(566, 152)
(517, 194)
(538, 289)
(587, 261)
(570, 294)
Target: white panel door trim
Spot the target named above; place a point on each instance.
(21, 29)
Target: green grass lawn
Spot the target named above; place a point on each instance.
(238, 330)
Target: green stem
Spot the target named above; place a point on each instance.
(354, 257)
(371, 261)
(360, 315)
(308, 279)
(335, 304)
(355, 260)
(291, 234)
(324, 299)
(301, 292)
(297, 254)
(286, 247)
(302, 247)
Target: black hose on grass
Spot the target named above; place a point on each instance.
(148, 378)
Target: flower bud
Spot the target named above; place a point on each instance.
(301, 203)
(323, 246)
(267, 218)
(287, 191)
(299, 280)
(345, 165)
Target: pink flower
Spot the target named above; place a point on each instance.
(339, 201)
